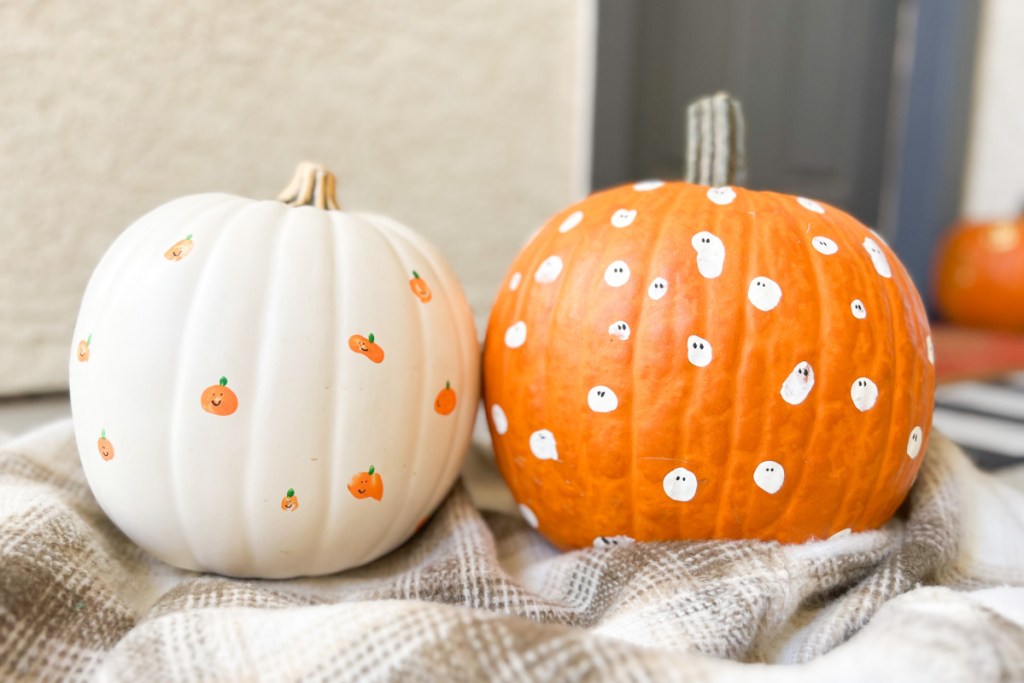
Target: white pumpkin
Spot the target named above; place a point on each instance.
(227, 390)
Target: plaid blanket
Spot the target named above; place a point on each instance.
(478, 595)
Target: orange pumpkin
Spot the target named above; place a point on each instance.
(979, 276)
(366, 346)
(218, 399)
(419, 287)
(445, 401)
(82, 353)
(367, 485)
(104, 446)
(180, 250)
(684, 361)
(290, 502)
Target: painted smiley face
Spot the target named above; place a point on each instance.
(499, 419)
(218, 399)
(710, 253)
(858, 310)
(543, 446)
(623, 218)
(878, 259)
(658, 288)
(549, 270)
(721, 196)
(616, 274)
(601, 399)
(769, 476)
(764, 293)
(680, 485)
(83, 350)
(915, 442)
(824, 245)
(619, 329)
(864, 393)
(698, 351)
(798, 384)
(515, 335)
(571, 221)
(613, 541)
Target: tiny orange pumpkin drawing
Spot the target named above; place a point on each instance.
(367, 347)
(180, 250)
(445, 401)
(83, 349)
(218, 399)
(420, 288)
(367, 485)
(104, 446)
(290, 502)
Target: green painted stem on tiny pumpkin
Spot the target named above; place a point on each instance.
(103, 433)
(188, 237)
(416, 275)
(88, 340)
(447, 385)
(223, 381)
(291, 493)
(370, 337)
(370, 472)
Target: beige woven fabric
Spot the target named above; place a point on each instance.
(479, 596)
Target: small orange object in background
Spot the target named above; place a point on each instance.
(367, 485)
(366, 346)
(419, 287)
(979, 275)
(445, 401)
(104, 446)
(290, 502)
(83, 349)
(218, 399)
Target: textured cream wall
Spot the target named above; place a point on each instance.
(461, 118)
(994, 178)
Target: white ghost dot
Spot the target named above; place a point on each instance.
(710, 253)
(571, 221)
(721, 195)
(680, 484)
(824, 245)
(623, 218)
(764, 293)
(864, 393)
(931, 349)
(542, 445)
(617, 274)
(619, 329)
(798, 384)
(914, 442)
(549, 270)
(513, 283)
(648, 185)
(601, 399)
(515, 335)
(810, 205)
(878, 259)
(529, 515)
(858, 310)
(658, 288)
(769, 476)
(499, 419)
(612, 541)
(698, 351)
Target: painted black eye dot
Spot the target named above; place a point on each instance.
(702, 346)
(678, 477)
(694, 344)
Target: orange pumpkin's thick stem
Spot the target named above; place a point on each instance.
(715, 142)
(312, 185)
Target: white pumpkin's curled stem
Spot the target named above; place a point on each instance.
(312, 185)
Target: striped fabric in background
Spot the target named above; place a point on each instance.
(985, 417)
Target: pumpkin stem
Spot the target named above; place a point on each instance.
(416, 275)
(312, 185)
(370, 472)
(291, 492)
(103, 433)
(370, 337)
(88, 340)
(223, 381)
(716, 152)
(447, 385)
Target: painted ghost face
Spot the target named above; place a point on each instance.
(710, 253)
(810, 205)
(623, 218)
(824, 245)
(680, 484)
(798, 384)
(658, 288)
(542, 445)
(617, 274)
(499, 419)
(529, 515)
(931, 349)
(612, 541)
(914, 442)
(878, 259)
(864, 393)
(648, 185)
(515, 335)
(571, 221)
(549, 270)
(858, 310)
(765, 294)
(619, 330)
(513, 282)
(769, 476)
(698, 351)
(601, 399)
(721, 195)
